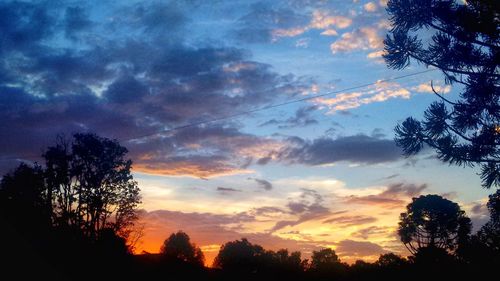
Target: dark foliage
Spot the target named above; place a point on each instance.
(178, 248)
(71, 217)
(435, 222)
(489, 234)
(465, 46)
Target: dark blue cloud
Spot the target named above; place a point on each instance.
(264, 184)
(76, 20)
(258, 24)
(24, 25)
(120, 78)
(361, 149)
(302, 118)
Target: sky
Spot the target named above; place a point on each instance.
(311, 164)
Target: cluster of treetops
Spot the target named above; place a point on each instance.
(73, 218)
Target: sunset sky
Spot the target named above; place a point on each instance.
(322, 172)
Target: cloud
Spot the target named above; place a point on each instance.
(364, 38)
(267, 211)
(479, 208)
(347, 221)
(373, 231)
(227, 189)
(209, 231)
(158, 17)
(263, 183)
(360, 149)
(426, 88)
(75, 21)
(303, 43)
(204, 151)
(291, 32)
(329, 32)
(323, 20)
(402, 189)
(394, 196)
(263, 23)
(352, 249)
(478, 213)
(307, 207)
(370, 7)
(319, 20)
(130, 85)
(195, 166)
(302, 118)
(379, 92)
(24, 26)
(375, 55)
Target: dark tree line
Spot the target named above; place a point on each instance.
(72, 217)
(439, 232)
(435, 230)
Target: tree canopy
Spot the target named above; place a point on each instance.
(178, 247)
(239, 255)
(86, 184)
(433, 221)
(465, 45)
(324, 258)
(90, 184)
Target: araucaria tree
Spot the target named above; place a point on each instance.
(90, 185)
(462, 39)
(433, 221)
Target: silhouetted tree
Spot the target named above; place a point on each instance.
(240, 255)
(391, 260)
(178, 247)
(391, 267)
(289, 262)
(58, 174)
(324, 258)
(482, 252)
(465, 46)
(432, 259)
(75, 212)
(23, 198)
(90, 184)
(489, 234)
(433, 221)
(325, 262)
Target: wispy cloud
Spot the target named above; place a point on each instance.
(379, 92)
(320, 20)
(394, 196)
(365, 38)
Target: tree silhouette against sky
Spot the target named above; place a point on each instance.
(178, 247)
(464, 44)
(433, 221)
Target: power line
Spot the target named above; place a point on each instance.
(277, 105)
(252, 110)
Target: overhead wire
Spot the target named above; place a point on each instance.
(247, 112)
(267, 107)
